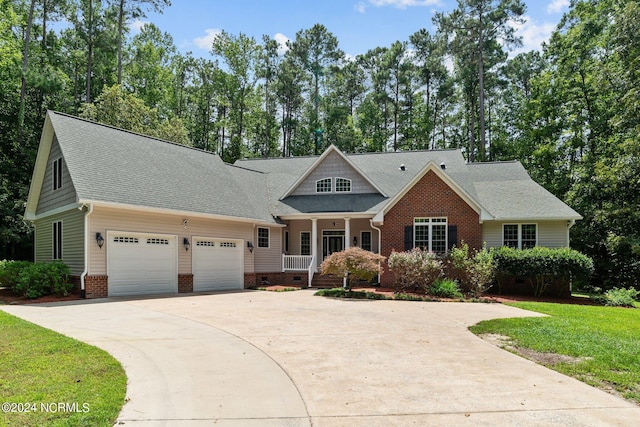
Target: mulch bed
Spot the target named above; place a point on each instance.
(8, 297)
(488, 297)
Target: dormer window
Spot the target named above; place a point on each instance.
(343, 185)
(323, 185)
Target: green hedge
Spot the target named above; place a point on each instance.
(35, 280)
(541, 265)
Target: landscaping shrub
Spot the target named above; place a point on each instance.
(10, 272)
(445, 288)
(475, 271)
(354, 263)
(37, 280)
(407, 297)
(618, 297)
(415, 268)
(541, 265)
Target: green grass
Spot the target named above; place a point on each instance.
(608, 338)
(41, 367)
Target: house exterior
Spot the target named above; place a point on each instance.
(132, 215)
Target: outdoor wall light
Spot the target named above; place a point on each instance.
(250, 246)
(186, 244)
(355, 241)
(99, 240)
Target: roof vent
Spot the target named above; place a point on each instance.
(403, 167)
(443, 166)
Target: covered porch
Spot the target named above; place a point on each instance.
(307, 242)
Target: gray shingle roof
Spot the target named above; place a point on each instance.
(111, 165)
(503, 189)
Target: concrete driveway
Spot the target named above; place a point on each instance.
(272, 359)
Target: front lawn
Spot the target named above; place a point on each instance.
(603, 342)
(53, 380)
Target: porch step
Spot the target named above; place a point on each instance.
(326, 281)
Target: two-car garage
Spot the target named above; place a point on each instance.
(144, 263)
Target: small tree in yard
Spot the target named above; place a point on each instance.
(353, 263)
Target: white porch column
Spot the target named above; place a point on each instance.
(314, 242)
(347, 233)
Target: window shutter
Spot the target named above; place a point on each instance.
(408, 237)
(452, 231)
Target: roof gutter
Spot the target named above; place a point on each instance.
(86, 248)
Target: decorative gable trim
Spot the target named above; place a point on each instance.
(42, 159)
(319, 160)
(431, 166)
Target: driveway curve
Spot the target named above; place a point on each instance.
(292, 359)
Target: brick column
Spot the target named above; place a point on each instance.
(185, 283)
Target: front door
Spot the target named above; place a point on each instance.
(332, 241)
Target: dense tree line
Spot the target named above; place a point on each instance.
(570, 114)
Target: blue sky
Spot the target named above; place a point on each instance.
(359, 25)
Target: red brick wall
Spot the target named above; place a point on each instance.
(430, 197)
(185, 283)
(252, 280)
(96, 286)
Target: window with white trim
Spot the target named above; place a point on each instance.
(520, 236)
(57, 240)
(323, 185)
(305, 243)
(263, 237)
(430, 234)
(343, 185)
(56, 166)
(365, 240)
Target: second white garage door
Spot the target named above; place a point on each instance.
(218, 264)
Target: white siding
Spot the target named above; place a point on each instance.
(66, 195)
(551, 234)
(108, 219)
(334, 166)
(72, 239)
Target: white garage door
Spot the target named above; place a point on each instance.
(218, 264)
(139, 264)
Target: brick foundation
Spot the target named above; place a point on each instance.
(185, 283)
(252, 280)
(560, 287)
(96, 287)
(430, 197)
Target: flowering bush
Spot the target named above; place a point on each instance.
(353, 263)
(415, 268)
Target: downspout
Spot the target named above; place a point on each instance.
(379, 241)
(86, 249)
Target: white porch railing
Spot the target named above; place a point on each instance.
(300, 263)
(296, 262)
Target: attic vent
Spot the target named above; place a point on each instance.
(403, 167)
(443, 166)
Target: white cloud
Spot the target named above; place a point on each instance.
(556, 6)
(136, 25)
(282, 43)
(207, 41)
(533, 35)
(399, 4)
